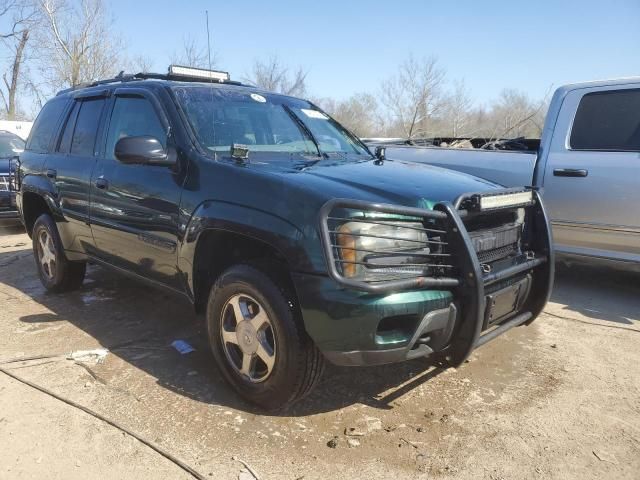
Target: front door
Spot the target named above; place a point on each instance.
(592, 175)
(135, 208)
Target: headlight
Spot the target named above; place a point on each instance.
(380, 250)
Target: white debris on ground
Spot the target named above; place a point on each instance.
(94, 357)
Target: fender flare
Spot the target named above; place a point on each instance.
(38, 185)
(266, 227)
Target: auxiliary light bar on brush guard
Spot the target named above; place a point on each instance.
(509, 198)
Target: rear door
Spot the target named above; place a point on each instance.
(69, 168)
(135, 208)
(592, 175)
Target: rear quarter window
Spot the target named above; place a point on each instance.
(607, 121)
(46, 125)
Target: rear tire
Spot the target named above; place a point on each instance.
(56, 272)
(258, 341)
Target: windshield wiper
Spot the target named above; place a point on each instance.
(305, 129)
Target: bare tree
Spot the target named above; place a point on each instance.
(456, 111)
(272, 75)
(359, 113)
(514, 114)
(140, 63)
(328, 104)
(23, 17)
(78, 43)
(413, 96)
(193, 54)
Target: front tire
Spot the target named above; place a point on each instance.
(56, 272)
(257, 340)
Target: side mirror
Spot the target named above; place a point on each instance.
(380, 153)
(143, 150)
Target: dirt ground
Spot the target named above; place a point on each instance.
(559, 399)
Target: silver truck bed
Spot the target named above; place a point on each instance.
(508, 168)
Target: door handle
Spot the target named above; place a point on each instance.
(51, 173)
(570, 172)
(102, 183)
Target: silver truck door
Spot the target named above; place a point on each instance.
(592, 173)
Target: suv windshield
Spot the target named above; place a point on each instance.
(10, 145)
(262, 122)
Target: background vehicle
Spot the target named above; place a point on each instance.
(19, 128)
(10, 148)
(587, 168)
(298, 243)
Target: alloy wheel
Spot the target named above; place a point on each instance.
(46, 253)
(247, 338)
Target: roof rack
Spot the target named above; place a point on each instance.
(175, 72)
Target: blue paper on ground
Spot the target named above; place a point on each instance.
(182, 347)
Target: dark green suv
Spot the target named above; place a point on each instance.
(298, 243)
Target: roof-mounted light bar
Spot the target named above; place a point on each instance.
(192, 72)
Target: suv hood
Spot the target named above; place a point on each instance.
(395, 182)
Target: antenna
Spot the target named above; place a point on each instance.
(213, 114)
(208, 39)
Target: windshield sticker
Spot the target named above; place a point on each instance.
(258, 98)
(314, 114)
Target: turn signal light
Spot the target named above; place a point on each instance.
(347, 245)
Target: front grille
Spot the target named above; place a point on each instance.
(4, 183)
(497, 242)
(498, 253)
(489, 220)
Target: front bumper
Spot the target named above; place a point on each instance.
(8, 213)
(450, 315)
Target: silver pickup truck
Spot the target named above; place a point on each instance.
(587, 168)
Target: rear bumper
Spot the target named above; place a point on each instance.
(344, 320)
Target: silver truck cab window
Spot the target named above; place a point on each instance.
(608, 121)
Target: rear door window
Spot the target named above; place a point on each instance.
(608, 121)
(46, 125)
(84, 135)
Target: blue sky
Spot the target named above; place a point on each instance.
(350, 46)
